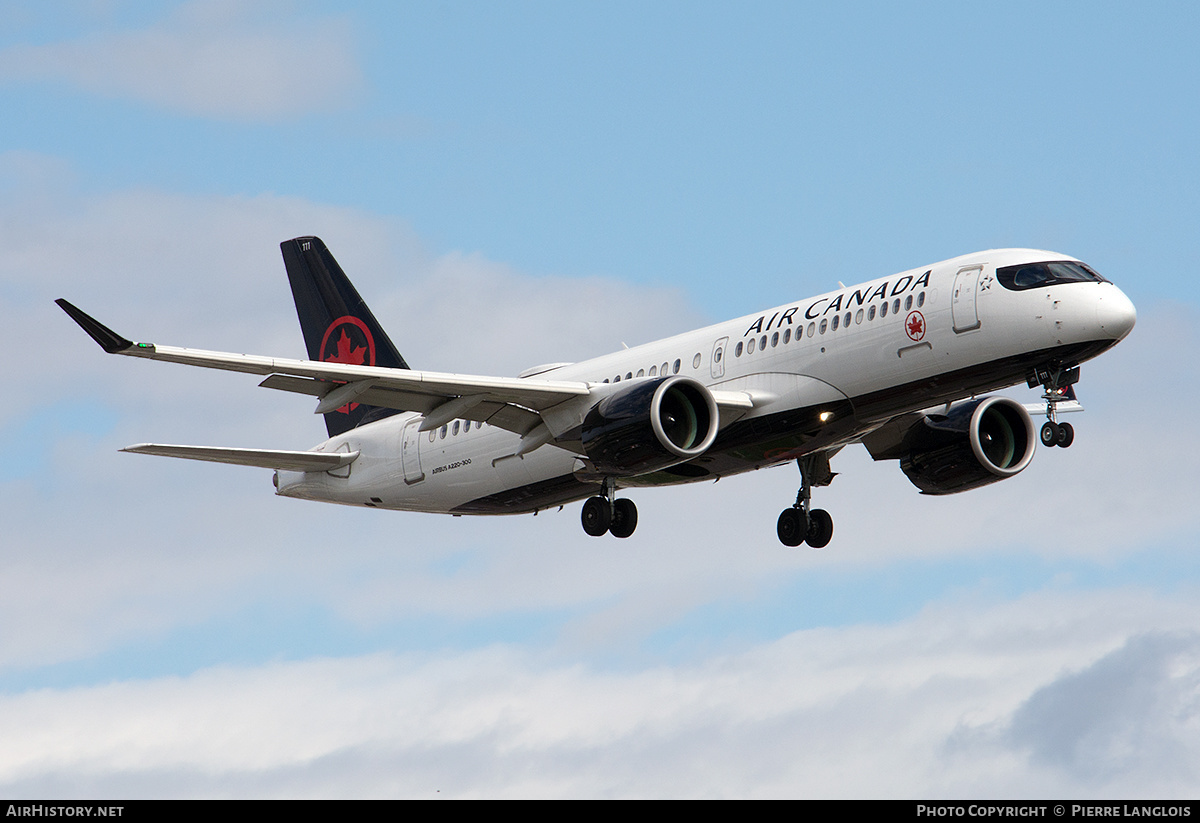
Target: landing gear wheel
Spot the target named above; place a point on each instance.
(1051, 434)
(624, 518)
(800, 523)
(1066, 435)
(791, 527)
(820, 529)
(597, 515)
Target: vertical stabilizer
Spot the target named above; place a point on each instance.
(337, 325)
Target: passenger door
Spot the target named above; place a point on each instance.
(962, 306)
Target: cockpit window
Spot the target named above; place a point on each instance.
(1036, 275)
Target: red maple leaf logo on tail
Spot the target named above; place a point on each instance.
(356, 356)
(347, 348)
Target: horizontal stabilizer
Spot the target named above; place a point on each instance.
(261, 458)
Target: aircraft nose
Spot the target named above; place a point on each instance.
(1115, 313)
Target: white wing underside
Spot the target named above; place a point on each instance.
(508, 402)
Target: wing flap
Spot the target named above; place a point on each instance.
(260, 458)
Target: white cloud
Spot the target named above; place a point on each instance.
(1133, 715)
(960, 701)
(207, 59)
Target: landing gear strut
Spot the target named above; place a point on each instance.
(605, 513)
(801, 523)
(1058, 383)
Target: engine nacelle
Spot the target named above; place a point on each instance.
(651, 425)
(973, 444)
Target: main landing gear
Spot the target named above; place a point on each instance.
(801, 523)
(606, 513)
(1059, 384)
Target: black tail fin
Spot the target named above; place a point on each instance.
(338, 327)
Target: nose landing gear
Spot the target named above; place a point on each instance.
(605, 513)
(1057, 434)
(801, 523)
(1059, 384)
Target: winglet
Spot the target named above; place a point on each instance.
(108, 339)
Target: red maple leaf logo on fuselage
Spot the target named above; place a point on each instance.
(914, 325)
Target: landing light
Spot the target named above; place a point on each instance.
(825, 416)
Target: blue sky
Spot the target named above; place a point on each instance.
(518, 183)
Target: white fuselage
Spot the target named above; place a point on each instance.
(862, 354)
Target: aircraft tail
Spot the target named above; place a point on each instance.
(337, 325)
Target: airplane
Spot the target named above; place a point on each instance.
(902, 364)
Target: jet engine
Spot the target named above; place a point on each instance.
(973, 444)
(650, 425)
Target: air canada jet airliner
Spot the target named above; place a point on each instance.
(900, 364)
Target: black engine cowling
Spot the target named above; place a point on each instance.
(973, 444)
(651, 425)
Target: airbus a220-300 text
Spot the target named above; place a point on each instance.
(901, 364)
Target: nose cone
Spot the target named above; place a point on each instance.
(1115, 313)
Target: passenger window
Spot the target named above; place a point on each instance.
(920, 300)
(846, 320)
(432, 436)
(871, 313)
(750, 346)
(617, 379)
(836, 318)
(737, 350)
(663, 370)
(442, 433)
(883, 310)
(678, 363)
(812, 329)
(653, 371)
(825, 323)
(775, 340)
(641, 373)
(858, 316)
(787, 335)
(896, 305)
(908, 303)
(696, 361)
(454, 431)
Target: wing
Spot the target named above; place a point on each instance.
(511, 403)
(517, 404)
